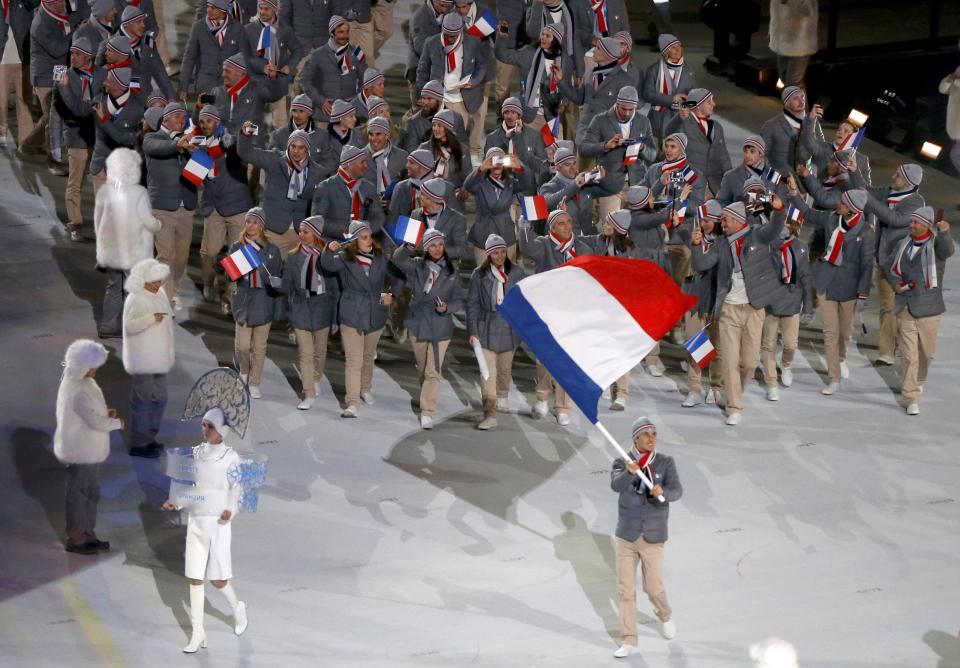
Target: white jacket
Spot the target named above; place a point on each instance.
(122, 217)
(793, 27)
(952, 88)
(147, 344)
(83, 427)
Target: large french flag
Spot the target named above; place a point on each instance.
(593, 319)
(534, 208)
(196, 170)
(406, 231)
(241, 262)
(483, 26)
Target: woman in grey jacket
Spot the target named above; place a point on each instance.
(362, 307)
(494, 188)
(255, 301)
(311, 301)
(452, 162)
(435, 294)
(490, 282)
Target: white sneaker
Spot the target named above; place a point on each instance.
(606, 394)
(563, 419)
(669, 629)
(913, 409)
(503, 406)
(316, 389)
(255, 392)
(368, 398)
(306, 404)
(832, 388)
(733, 419)
(426, 422)
(844, 369)
(654, 370)
(619, 404)
(487, 423)
(240, 618)
(692, 399)
(885, 360)
(786, 376)
(624, 651)
(349, 412)
(773, 394)
(711, 397)
(539, 410)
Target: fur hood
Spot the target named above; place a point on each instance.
(83, 355)
(123, 167)
(146, 271)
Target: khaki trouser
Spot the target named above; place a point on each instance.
(476, 128)
(217, 232)
(77, 160)
(788, 328)
(39, 132)
(427, 368)
(506, 75)
(741, 327)
(161, 39)
(837, 326)
(497, 385)
(653, 356)
(286, 242)
(650, 557)
(918, 341)
(173, 245)
(545, 383)
(312, 347)
(679, 256)
(610, 203)
(250, 348)
(887, 344)
(361, 34)
(479, 255)
(358, 350)
(382, 14)
(16, 76)
(98, 181)
(278, 114)
(694, 323)
(622, 385)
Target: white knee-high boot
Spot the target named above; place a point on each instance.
(198, 637)
(239, 609)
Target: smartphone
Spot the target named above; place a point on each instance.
(59, 71)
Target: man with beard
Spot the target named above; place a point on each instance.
(781, 134)
(333, 71)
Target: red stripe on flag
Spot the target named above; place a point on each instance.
(231, 268)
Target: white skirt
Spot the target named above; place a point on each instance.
(207, 554)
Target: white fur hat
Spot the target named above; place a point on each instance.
(215, 417)
(146, 271)
(83, 355)
(123, 166)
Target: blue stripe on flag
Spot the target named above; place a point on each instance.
(694, 342)
(252, 256)
(535, 333)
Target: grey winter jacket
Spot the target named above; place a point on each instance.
(422, 319)
(660, 119)
(359, 306)
(708, 157)
(601, 129)
(333, 201)
(433, 65)
(796, 297)
(203, 57)
(307, 310)
(854, 275)
(493, 205)
(920, 300)
(168, 189)
(308, 19)
(251, 306)
(784, 149)
(639, 514)
(483, 319)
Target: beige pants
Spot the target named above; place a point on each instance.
(312, 347)
(497, 385)
(837, 326)
(472, 121)
(479, 255)
(694, 323)
(98, 181)
(16, 77)
(650, 558)
(887, 344)
(622, 384)
(77, 160)
(286, 242)
(382, 14)
(361, 34)
(38, 135)
(161, 40)
(918, 341)
(610, 203)
(679, 256)
(358, 350)
(506, 75)
(741, 327)
(429, 374)
(173, 245)
(217, 232)
(250, 348)
(545, 383)
(786, 327)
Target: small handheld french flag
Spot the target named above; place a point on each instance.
(534, 208)
(196, 170)
(241, 262)
(406, 231)
(550, 131)
(852, 142)
(794, 215)
(633, 154)
(700, 348)
(483, 26)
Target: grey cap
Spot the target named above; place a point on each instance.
(714, 209)
(222, 5)
(563, 155)
(153, 116)
(378, 124)
(424, 158)
(210, 111)
(452, 22)
(371, 76)
(120, 44)
(620, 219)
(737, 209)
(493, 242)
(567, 144)
(753, 182)
(356, 226)
(431, 236)
(131, 13)
(173, 108)
(665, 41)
(642, 424)
(314, 224)
(156, 95)
(258, 214)
(121, 75)
(434, 189)
(349, 154)
(926, 216)
(638, 197)
(698, 95)
(237, 61)
(432, 89)
(302, 102)
(610, 46)
(101, 8)
(628, 95)
(374, 103)
(757, 142)
(912, 173)
(447, 118)
(340, 109)
(83, 45)
(856, 199)
(494, 152)
(679, 137)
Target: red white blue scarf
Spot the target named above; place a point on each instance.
(834, 252)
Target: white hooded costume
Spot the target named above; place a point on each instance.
(122, 216)
(147, 344)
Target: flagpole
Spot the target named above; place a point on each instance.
(626, 457)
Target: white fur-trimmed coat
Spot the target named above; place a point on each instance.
(122, 218)
(793, 27)
(951, 87)
(147, 344)
(83, 428)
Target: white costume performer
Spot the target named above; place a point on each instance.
(212, 504)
